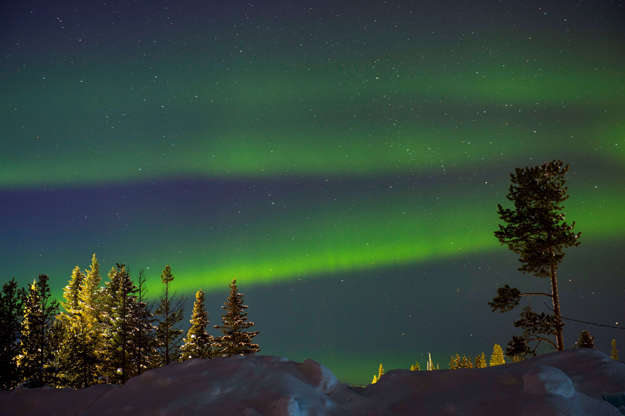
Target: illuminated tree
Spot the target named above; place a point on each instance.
(613, 351)
(76, 356)
(415, 366)
(37, 340)
(376, 377)
(480, 361)
(454, 362)
(197, 343)
(90, 311)
(497, 358)
(536, 230)
(235, 339)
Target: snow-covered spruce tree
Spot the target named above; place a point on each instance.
(465, 362)
(143, 334)
(37, 341)
(480, 361)
(11, 300)
(454, 362)
(536, 230)
(168, 315)
(118, 303)
(90, 311)
(197, 343)
(235, 339)
(76, 356)
(497, 358)
(585, 340)
(415, 367)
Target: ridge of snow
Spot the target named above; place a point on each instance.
(569, 383)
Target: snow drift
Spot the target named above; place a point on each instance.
(576, 382)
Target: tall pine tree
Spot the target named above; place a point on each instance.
(11, 300)
(76, 355)
(90, 310)
(37, 341)
(167, 335)
(197, 343)
(143, 332)
(536, 230)
(235, 339)
(118, 304)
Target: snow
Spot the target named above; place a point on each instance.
(572, 383)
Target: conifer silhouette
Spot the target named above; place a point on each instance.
(11, 302)
(167, 335)
(585, 340)
(235, 339)
(536, 230)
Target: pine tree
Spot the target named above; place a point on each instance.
(429, 365)
(375, 379)
(497, 357)
(585, 340)
(480, 361)
(454, 362)
(198, 343)
(415, 366)
(142, 335)
(11, 301)
(235, 340)
(465, 362)
(90, 311)
(613, 351)
(37, 340)
(76, 356)
(167, 335)
(119, 304)
(535, 229)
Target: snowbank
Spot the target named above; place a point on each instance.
(567, 383)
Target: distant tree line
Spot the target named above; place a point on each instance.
(107, 334)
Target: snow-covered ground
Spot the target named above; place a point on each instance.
(568, 383)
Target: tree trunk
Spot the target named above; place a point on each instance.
(556, 304)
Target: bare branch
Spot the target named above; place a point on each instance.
(536, 293)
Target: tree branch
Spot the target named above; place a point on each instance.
(546, 340)
(536, 293)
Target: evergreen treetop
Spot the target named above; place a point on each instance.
(197, 343)
(71, 292)
(497, 357)
(235, 340)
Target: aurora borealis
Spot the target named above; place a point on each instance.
(342, 162)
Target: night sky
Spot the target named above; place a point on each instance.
(341, 160)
